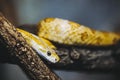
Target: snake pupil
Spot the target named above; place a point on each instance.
(48, 53)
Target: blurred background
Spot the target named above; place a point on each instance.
(97, 14)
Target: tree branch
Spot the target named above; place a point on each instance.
(21, 52)
(74, 57)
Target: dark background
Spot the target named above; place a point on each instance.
(97, 14)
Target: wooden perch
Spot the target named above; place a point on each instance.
(23, 53)
(73, 57)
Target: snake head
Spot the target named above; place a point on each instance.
(46, 52)
(43, 47)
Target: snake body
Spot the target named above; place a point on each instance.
(71, 33)
(68, 33)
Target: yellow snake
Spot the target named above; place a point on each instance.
(42, 46)
(68, 33)
(71, 33)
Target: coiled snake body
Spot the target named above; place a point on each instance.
(71, 33)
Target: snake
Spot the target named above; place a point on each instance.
(42, 46)
(67, 32)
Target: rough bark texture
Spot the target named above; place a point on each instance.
(88, 58)
(21, 52)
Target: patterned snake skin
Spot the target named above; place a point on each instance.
(71, 33)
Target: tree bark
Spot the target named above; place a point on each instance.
(22, 53)
(74, 57)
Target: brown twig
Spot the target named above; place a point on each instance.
(23, 53)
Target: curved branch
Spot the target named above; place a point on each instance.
(21, 52)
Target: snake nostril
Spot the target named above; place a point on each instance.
(56, 60)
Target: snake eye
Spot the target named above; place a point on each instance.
(49, 53)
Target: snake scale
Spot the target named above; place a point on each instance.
(71, 33)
